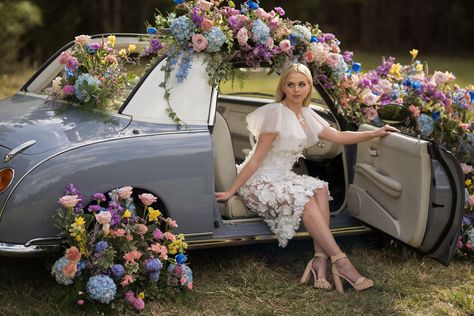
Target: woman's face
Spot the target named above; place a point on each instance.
(296, 88)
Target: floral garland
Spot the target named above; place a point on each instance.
(94, 74)
(428, 106)
(115, 257)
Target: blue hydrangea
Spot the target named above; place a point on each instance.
(301, 33)
(340, 70)
(181, 258)
(81, 265)
(182, 29)
(215, 39)
(85, 85)
(117, 271)
(57, 272)
(154, 265)
(101, 288)
(155, 276)
(101, 246)
(260, 32)
(425, 125)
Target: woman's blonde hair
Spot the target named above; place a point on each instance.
(294, 68)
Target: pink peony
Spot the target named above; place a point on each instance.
(125, 192)
(103, 217)
(70, 269)
(69, 200)
(371, 114)
(466, 169)
(242, 36)
(65, 57)
(73, 254)
(199, 42)
(147, 198)
(415, 111)
(82, 39)
(285, 45)
(68, 89)
(470, 200)
(308, 56)
(206, 25)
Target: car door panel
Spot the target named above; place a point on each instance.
(409, 188)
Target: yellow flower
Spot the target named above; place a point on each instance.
(127, 214)
(419, 67)
(111, 40)
(395, 70)
(153, 214)
(413, 53)
(132, 48)
(123, 52)
(77, 238)
(141, 295)
(468, 182)
(80, 221)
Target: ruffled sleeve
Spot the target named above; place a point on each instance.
(265, 119)
(314, 123)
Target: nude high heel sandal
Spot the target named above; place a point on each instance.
(320, 283)
(361, 283)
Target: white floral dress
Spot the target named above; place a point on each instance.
(275, 192)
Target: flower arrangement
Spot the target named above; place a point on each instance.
(115, 257)
(429, 106)
(94, 74)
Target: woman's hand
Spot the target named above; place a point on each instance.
(223, 196)
(385, 130)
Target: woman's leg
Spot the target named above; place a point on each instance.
(317, 227)
(322, 199)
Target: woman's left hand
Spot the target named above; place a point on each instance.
(385, 130)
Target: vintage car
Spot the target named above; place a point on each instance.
(406, 187)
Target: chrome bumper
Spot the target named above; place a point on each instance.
(34, 247)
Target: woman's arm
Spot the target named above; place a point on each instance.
(346, 137)
(264, 143)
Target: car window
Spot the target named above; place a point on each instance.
(259, 82)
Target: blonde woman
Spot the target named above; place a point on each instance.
(269, 187)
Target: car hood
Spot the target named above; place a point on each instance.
(24, 117)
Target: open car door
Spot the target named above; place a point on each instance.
(411, 189)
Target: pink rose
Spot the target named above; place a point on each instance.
(242, 36)
(190, 285)
(371, 114)
(103, 217)
(274, 23)
(308, 56)
(120, 232)
(68, 89)
(269, 43)
(470, 200)
(285, 46)
(204, 5)
(125, 192)
(386, 85)
(271, 14)
(157, 234)
(138, 304)
(64, 57)
(466, 169)
(70, 269)
(169, 236)
(261, 14)
(129, 237)
(199, 42)
(171, 222)
(370, 99)
(415, 111)
(82, 39)
(321, 51)
(206, 25)
(69, 201)
(333, 60)
(183, 280)
(335, 49)
(73, 254)
(147, 198)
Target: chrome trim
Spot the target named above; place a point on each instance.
(8, 185)
(29, 249)
(18, 149)
(198, 234)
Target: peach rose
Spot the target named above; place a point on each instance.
(147, 198)
(242, 36)
(285, 46)
(320, 51)
(70, 269)
(69, 201)
(308, 56)
(82, 39)
(73, 254)
(415, 111)
(120, 232)
(64, 57)
(199, 42)
(125, 192)
(206, 25)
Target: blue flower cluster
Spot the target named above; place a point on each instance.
(182, 29)
(101, 246)
(57, 272)
(85, 85)
(425, 125)
(184, 66)
(260, 32)
(117, 271)
(181, 258)
(215, 39)
(101, 288)
(154, 267)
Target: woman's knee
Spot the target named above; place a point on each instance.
(321, 193)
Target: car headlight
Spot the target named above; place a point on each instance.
(6, 178)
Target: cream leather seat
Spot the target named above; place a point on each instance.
(225, 170)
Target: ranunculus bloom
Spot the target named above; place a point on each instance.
(242, 36)
(69, 200)
(206, 25)
(73, 254)
(103, 217)
(308, 56)
(147, 198)
(82, 39)
(70, 269)
(415, 111)
(285, 45)
(64, 57)
(466, 168)
(125, 192)
(199, 42)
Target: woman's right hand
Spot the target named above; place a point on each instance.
(223, 196)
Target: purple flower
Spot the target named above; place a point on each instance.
(154, 265)
(94, 208)
(158, 234)
(68, 89)
(95, 46)
(197, 16)
(98, 197)
(230, 11)
(384, 68)
(280, 11)
(365, 83)
(329, 36)
(101, 246)
(235, 23)
(347, 56)
(153, 48)
(71, 190)
(154, 276)
(117, 271)
(72, 64)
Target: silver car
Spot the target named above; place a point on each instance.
(407, 187)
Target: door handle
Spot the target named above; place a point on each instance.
(373, 151)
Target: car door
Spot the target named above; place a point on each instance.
(411, 189)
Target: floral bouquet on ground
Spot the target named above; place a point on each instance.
(116, 257)
(94, 74)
